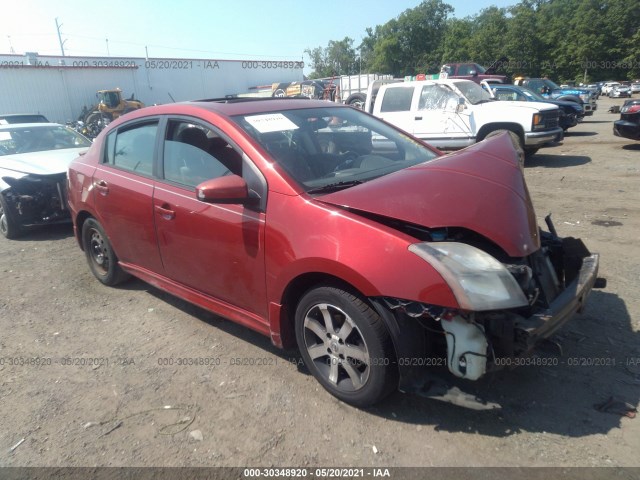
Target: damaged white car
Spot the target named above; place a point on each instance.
(33, 174)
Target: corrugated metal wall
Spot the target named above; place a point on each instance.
(43, 85)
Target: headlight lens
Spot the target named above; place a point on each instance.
(478, 281)
(538, 121)
(585, 97)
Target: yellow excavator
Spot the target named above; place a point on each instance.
(110, 106)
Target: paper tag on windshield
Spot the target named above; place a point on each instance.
(272, 122)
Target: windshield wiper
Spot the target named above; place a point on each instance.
(334, 187)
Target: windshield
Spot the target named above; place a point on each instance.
(331, 148)
(39, 138)
(479, 69)
(532, 95)
(473, 92)
(550, 84)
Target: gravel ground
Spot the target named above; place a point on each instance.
(99, 391)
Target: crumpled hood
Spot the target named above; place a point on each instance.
(48, 162)
(39, 163)
(480, 188)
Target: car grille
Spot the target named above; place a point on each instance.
(551, 118)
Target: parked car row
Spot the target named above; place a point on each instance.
(550, 90)
(620, 89)
(571, 113)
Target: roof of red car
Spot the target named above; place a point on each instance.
(241, 106)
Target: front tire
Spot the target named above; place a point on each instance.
(9, 227)
(102, 260)
(346, 346)
(517, 141)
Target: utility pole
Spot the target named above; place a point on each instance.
(60, 37)
(108, 53)
(10, 45)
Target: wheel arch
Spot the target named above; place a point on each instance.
(490, 127)
(294, 291)
(407, 337)
(81, 217)
(569, 98)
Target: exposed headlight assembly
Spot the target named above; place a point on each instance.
(478, 281)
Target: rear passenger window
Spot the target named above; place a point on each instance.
(132, 149)
(397, 99)
(509, 96)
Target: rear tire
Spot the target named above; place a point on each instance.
(356, 100)
(102, 260)
(346, 346)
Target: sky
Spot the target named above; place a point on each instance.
(215, 29)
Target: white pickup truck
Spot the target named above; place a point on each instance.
(451, 114)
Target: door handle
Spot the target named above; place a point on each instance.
(102, 187)
(166, 212)
(417, 118)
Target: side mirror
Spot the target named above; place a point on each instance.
(227, 189)
(473, 73)
(461, 105)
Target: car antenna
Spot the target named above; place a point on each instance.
(172, 99)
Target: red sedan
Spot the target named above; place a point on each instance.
(325, 228)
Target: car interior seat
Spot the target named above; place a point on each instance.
(225, 154)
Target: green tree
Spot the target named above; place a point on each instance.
(409, 44)
(458, 40)
(526, 44)
(337, 58)
(564, 39)
(489, 31)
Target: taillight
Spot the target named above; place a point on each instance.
(630, 109)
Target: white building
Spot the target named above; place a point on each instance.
(58, 87)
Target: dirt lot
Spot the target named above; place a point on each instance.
(97, 396)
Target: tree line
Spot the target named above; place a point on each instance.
(566, 40)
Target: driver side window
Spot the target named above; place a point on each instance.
(437, 97)
(194, 153)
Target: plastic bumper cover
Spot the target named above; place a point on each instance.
(536, 139)
(570, 301)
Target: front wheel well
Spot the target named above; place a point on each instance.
(570, 98)
(492, 127)
(294, 292)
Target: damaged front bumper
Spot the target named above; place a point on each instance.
(572, 300)
(36, 200)
(470, 344)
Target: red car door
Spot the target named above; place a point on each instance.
(124, 184)
(215, 249)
